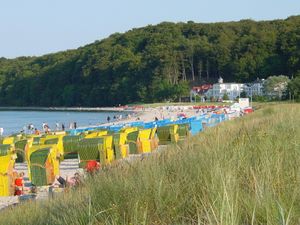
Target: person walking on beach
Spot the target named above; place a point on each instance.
(47, 129)
(75, 125)
(56, 126)
(63, 126)
(31, 127)
(44, 126)
(108, 119)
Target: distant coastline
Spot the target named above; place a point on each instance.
(73, 109)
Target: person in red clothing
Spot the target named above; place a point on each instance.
(37, 132)
(19, 184)
(92, 166)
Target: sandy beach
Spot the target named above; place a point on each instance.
(149, 114)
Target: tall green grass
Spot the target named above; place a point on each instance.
(245, 171)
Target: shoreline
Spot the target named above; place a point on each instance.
(70, 109)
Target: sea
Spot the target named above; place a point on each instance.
(15, 121)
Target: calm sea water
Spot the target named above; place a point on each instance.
(14, 121)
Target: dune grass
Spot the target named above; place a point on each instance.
(245, 171)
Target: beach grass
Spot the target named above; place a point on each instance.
(244, 171)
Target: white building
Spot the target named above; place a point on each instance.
(234, 90)
(255, 88)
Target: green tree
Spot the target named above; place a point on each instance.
(225, 97)
(149, 64)
(181, 90)
(243, 94)
(294, 87)
(276, 86)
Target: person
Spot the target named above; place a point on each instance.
(1, 131)
(31, 128)
(63, 127)
(56, 126)
(59, 182)
(77, 178)
(44, 126)
(75, 125)
(108, 119)
(156, 119)
(92, 166)
(47, 129)
(19, 184)
(37, 132)
(74, 181)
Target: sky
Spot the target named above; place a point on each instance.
(38, 27)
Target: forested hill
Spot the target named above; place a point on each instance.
(152, 63)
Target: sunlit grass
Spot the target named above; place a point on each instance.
(244, 171)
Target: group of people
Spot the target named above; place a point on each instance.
(69, 182)
(73, 125)
(118, 117)
(46, 128)
(30, 129)
(91, 167)
(115, 118)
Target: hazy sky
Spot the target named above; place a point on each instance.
(37, 27)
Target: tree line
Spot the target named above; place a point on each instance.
(153, 63)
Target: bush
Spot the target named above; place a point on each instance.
(258, 98)
(294, 87)
(225, 96)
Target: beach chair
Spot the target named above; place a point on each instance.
(196, 126)
(6, 175)
(132, 138)
(20, 147)
(183, 131)
(41, 167)
(153, 139)
(120, 146)
(71, 145)
(89, 149)
(168, 134)
(54, 156)
(144, 141)
(6, 149)
(8, 140)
